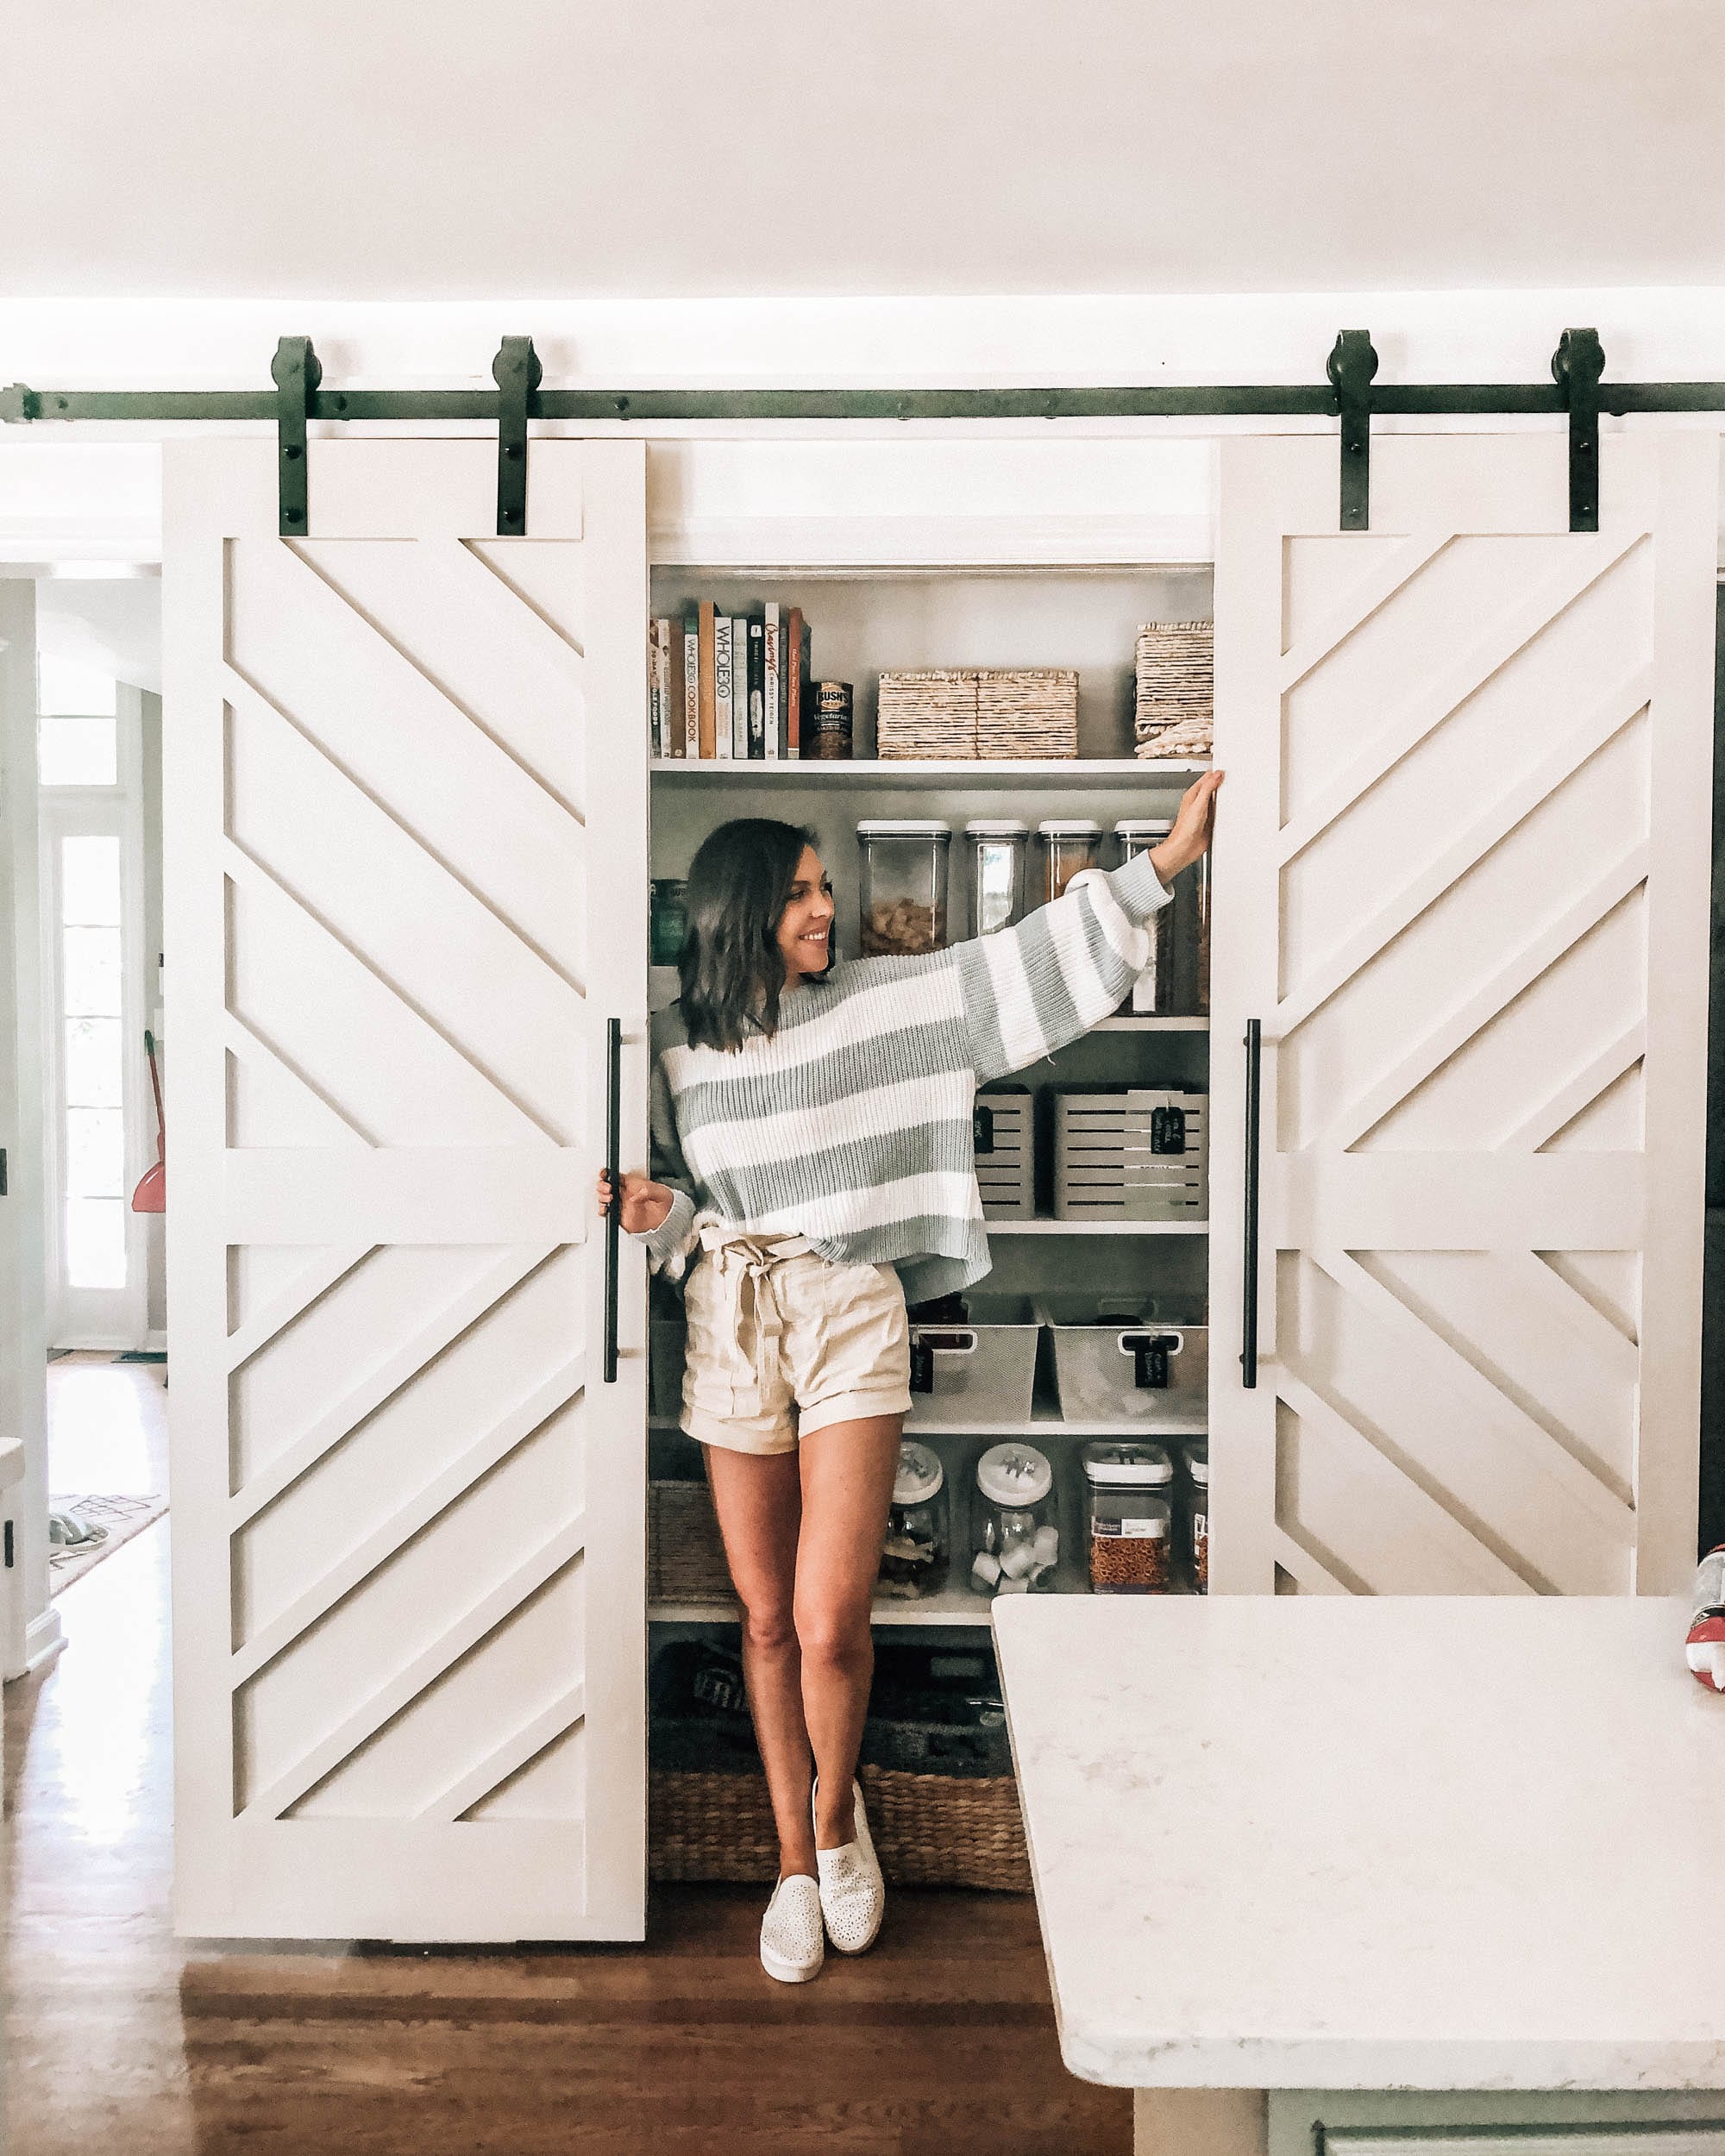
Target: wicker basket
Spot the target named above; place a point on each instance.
(926, 711)
(1027, 712)
(929, 1829)
(1176, 688)
(685, 1555)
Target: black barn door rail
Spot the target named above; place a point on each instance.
(1352, 395)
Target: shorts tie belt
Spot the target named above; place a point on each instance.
(747, 1341)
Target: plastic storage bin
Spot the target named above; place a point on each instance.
(1198, 1513)
(1131, 1520)
(1130, 1153)
(980, 1368)
(913, 1556)
(1069, 844)
(1153, 992)
(1014, 1533)
(1118, 1359)
(995, 872)
(902, 880)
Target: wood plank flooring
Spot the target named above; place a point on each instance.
(126, 2042)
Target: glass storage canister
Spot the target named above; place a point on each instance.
(1132, 1522)
(1192, 906)
(903, 886)
(998, 845)
(1016, 1538)
(667, 920)
(1152, 994)
(1198, 1479)
(1069, 843)
(913, 1555)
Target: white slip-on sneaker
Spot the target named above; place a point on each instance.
(792, 1945)
(853, 1895)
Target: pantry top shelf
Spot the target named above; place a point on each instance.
(1077, 771)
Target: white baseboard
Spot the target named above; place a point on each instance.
(43, 1639)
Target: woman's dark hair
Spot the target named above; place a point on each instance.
(732, 970)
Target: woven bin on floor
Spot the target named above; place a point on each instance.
(926, 711)
(1175, 688)
(929, 1829)
(1027, 712)
(685, 1555)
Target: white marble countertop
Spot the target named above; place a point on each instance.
(1327, 1843)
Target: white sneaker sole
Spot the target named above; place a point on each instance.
(783, 1971)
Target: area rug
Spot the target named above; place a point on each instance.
(122, 1517)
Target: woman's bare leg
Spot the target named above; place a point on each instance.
(848, 1471)
(759, 1501)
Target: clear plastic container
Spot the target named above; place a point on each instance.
(913, 1556)
(1153, 992)
(1198, 1513)
(979, 1368)
(998, 846)
(1069, 843)
(1191, 910)
(667, 920)
(1131, 1520)
(902, 880)
(1014, 1533)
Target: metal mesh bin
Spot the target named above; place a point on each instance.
(978, 1369)
(1127, 1358)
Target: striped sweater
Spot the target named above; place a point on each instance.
(852, 1124)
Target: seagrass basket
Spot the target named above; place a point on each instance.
(926, 711)
(1175, 696)
(685, 1554)
(1027, 712)
(929, 1829)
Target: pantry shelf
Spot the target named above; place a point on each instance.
(953, 1606)
(1152, 1025)
(1098, 1227)
(1044, 1422)
(921, 772)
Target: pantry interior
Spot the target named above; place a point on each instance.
(999, 1384)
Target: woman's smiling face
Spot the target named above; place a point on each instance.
(805, 934)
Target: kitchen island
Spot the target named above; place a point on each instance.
(1471, 1848)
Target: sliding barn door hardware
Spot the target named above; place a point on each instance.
(1351, 395)
(517, 373)
(296, 373)
(1353, 363)
(1576, 366)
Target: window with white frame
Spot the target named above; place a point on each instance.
(89, 768)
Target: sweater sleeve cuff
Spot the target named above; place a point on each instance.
(668, 1242)
(1139, 890)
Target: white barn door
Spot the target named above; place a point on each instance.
(405, 838)
(1463, 875)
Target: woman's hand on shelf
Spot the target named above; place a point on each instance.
(1193, 827)
(645, 1203)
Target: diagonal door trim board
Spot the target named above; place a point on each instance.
(1494, 1407)
(558, 1550)
(244, 1042)
(389, 1376)
(1294, 1558)
(1577, 1092)
(1501, 814)
(1599, 1338)
(1358, 605)
(1541, 950)
(294, 1301)
(474, 1784)
(1454, 1536)
(1449, 689)
(387, 1540)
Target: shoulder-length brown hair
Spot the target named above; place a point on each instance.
(732, 970)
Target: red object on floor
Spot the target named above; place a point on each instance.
(151, 1194)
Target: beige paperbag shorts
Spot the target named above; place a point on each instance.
(782, 1342)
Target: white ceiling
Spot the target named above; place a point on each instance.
(554, 149)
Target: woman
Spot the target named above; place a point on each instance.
(811, 1135)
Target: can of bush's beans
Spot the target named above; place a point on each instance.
(1706, 1643)
(828, 734)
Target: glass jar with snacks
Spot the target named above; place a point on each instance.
(1152, 994)
(1069, 843)
(1132, 1521)
(826, 730)
(1198, 1512)
(998, 845)
(903, 886)
(667, 921)
(1014, 1534)
(913, 1555)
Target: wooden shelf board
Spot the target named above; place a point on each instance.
(1098, 1227)
(1045, 1423)
(896, 772)
(1151, 1025)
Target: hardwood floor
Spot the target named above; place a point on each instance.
(125, 2042)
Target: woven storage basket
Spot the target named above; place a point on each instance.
(926, 711)
(685, 1555)
(1176, 688)
(1027, 712)
(929, 1829)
